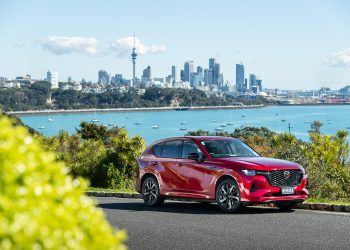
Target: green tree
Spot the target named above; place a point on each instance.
(316, 127)
(328, 169)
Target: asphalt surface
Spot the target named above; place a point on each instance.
(184, 225)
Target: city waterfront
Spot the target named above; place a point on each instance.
(156, 125)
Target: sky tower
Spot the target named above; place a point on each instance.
(133, 56)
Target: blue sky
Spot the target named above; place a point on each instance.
(289, 44)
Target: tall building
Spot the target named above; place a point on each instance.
(212, 63)
(103, 77)
(182, 75)
(216, 74)
(133, 57)
(188, 69)
(194, 81)
(252, 82)
(200, 73)
(259, 85)
(173, 73)
(52, 78)
(240, 83)
(147, 74)
(118, 79)
(208, 76)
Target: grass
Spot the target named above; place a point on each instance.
(111, 190)
(325, 201)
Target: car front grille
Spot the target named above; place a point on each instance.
(285, 177)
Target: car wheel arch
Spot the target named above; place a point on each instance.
(146, 175)
(224, 177)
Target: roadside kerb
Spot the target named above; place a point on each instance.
(308, 206)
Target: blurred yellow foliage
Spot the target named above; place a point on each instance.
(41, 205)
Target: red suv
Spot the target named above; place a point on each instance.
(217, 169)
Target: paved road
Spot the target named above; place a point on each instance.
(178, 225)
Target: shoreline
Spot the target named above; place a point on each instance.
(158, 109)
(123, 110)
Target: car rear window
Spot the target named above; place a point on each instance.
(172, 149)
(157, 149)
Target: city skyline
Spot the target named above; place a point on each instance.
(289, 45)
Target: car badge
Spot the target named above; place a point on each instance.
(286, 174)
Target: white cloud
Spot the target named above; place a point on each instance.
(123, 47)
(60, 45)
(339, 59)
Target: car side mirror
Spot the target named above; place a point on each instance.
(195, 156)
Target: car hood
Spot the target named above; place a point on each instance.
(258, 163)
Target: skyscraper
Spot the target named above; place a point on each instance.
(147, 74)
(188, 69)
(173, 73)
(194, 81)
(240, 79)
(103, 77)
(252, 83)
(208, 76)
(52, 78)
(200, 73)
(211, 63)
(133, 56)
(216, 74)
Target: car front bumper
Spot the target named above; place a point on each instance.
(257, 189)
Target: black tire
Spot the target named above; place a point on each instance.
(150, 192)
(286, 205)
(228, 196)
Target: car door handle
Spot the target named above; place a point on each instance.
(179, 165)
(154, 163)
(212, 168)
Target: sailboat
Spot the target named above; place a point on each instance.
(50, 119)
(183, 122)
(95, 119)
(329, 119)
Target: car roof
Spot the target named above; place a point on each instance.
(195, 138)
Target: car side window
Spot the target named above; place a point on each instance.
(172, 149)
(189, 147)
(157, 149)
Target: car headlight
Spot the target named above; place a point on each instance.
(249, 172)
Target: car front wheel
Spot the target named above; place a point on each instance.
(228, 196)
(150, 192)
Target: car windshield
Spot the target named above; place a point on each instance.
(228, 148)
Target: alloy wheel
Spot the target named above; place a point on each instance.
(228, 196)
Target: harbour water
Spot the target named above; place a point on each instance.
(156, 125)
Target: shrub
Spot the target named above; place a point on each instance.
(41, 205)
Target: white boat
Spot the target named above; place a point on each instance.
(183, 129)
(41, 127)
(137, 123)
(183, 123)
(213, 120)
(50, 119)
(155, 127)
(229, 123)
(110, 124)
(95, 120)
(223, 125)
(219, 129)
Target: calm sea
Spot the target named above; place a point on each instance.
(276, 118)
